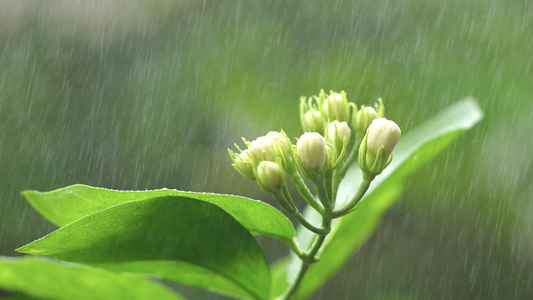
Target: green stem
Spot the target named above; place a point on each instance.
(288, 199)
(311, 227)
(304, 191)
(365, 184)
(282, 200)
(335, 182)
(295, 213)
(323, 194)
(326, 188)
(309, 258)
(295, 248)
(351, 158)
(328, 184)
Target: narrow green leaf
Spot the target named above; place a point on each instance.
(350, 232)
(174, 238)
(68, 204)
(44, 278)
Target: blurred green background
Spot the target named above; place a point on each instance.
(150, 94)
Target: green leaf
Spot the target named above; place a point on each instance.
(350, 232)
(174, 238)
(43, 278)
(68, 204)
(280, 271)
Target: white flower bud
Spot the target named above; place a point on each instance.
(375, 150)
(243, 164)
(279, 139)
(311, 149)
(382, 133)
(364, 118)
(336, 107)
(314, 121)
(261, 148)
(338, 131)
(269, 175)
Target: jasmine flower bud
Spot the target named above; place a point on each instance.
(269, 175)
(314, 121)
(335, 107)
(364, 118)
(375, 151)
(311, 150)
(261, 148)
(243, 164)
(279, 139)
(338, 132)
(382, 133)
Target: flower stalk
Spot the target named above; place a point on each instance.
(322, 155)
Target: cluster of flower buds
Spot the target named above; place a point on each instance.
(264, 159)
(327, 146)
(330, 115)
(317, 111)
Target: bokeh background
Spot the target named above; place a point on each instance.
(150, 94)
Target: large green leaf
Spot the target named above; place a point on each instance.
(350, 232)
(174, 238)
(68, 204)
(43, 278)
